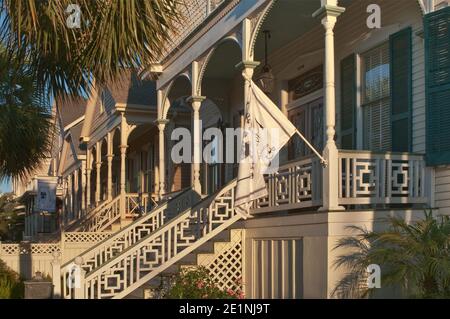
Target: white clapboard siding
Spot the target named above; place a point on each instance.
(442, 186)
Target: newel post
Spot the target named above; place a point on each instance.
(79, 279)
(328, 14)
(56, 275)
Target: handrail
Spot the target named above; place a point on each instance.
(74, 225)
(168, 244)
(134, 231)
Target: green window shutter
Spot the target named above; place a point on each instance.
(401, 90)
(437, 74)
(348, 103)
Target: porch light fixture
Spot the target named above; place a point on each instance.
(266, 79)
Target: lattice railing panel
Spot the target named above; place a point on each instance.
(381, 178)
(295, 185)
(85, 237)
(27, 249)
(225, 265)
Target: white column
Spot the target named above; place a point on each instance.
(196, 103)
(162, 160)
(83, 187)
(123, 158)
(156, 165)
(88, 178)
(56, 275)
(76, 189)
(110, 157)
(70, 194)
(329, 13)
(247, 68)
(98, 166)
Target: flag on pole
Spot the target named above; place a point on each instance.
(265, 131)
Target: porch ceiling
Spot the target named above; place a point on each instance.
(287, 21)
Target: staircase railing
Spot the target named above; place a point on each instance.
(104, 218)
(138, 204)
(109, 213)
(154, 253)
(130, 235)
(75, 224)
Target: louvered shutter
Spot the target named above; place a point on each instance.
(437, 65)
(348, 103)
(401, 86)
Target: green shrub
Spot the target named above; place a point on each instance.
(11, 285)
(196, 283)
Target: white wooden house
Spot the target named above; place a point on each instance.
(375, 101)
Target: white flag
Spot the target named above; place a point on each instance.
(266, 130)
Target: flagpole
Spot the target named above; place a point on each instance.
(322, 160)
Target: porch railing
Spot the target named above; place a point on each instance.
(138, 204)
(365, 178)
(381, 178)
(296, 185)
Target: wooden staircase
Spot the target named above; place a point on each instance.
(134, 256)
(209, 255)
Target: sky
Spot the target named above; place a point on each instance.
(5, 187)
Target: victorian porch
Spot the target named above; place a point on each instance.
(136, 215)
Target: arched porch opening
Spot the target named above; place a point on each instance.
(140, 163)
(115, 138)
(178, 115)
(103, 170)
(296, 67)
(223, 86)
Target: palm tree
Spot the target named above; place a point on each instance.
(51, 57)
(25, 121)
(111, 36)
(414, 257)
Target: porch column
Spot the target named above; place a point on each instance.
(69, 194)
(109, 157)
(98, 166)
(88, 178)
(247, 68)
(123, 158)
(83, 187)
(328, 13)
(162, 160)
(196, 103)
(155, 166)
(76, 189)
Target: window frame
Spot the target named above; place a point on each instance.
(361, 103)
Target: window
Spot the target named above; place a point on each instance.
(308, 119)
(376, 99)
